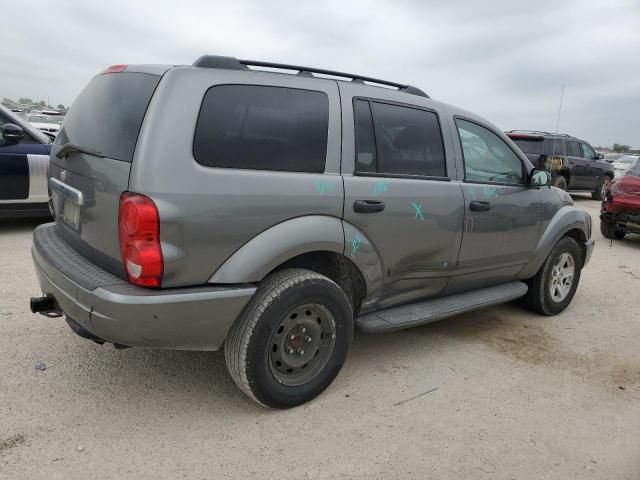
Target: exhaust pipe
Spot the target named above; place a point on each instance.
(45, 306)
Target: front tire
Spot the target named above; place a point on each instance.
(291, 340)
(555, 284)
(600, 192)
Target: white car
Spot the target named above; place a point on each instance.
(45, 123)
(624, 163)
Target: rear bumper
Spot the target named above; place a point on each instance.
(111, 309)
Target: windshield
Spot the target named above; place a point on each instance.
(107, 115)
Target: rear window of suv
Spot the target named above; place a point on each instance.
(108, 113)
(262, 128)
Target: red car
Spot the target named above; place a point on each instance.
(620, 212)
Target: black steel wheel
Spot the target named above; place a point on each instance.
(291, 340)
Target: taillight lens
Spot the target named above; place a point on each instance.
(139, 232)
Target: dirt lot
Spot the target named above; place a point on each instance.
(517, 395)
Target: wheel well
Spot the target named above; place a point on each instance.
(336, 267)
(565, 173)
(579, 236)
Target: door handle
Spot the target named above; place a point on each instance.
(368, 206)
(477, 206)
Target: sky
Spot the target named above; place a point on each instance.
(504, 60)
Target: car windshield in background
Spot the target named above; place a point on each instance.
(42, 119)
(107, 115)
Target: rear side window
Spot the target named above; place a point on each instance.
(262, 128)
(533, 146)
(408, 141)
(108, 113)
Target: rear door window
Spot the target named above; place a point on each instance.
(263, 128)
(408, 141)
(107, 115)
(574, 149)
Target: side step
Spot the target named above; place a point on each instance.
(413, 314)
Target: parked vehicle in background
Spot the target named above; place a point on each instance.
(24, 159)
(45, 123)
(217, 204)
(623, 164)
(620, 212)
(573, 163)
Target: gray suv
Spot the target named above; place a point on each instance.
(273, 212)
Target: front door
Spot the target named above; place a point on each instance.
(579, 167)
(502, 215)
(402, 200)
(594, 171)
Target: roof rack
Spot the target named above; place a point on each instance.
(232, 63)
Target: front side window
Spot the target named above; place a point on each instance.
(262, 128)
(587, 151)
(487, 158)
(407, 141)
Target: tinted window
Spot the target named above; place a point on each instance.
(533, 147)
(408, 140)
(487, 158)
(108, 113)
(262, 128)
(574, 149)
(587, 151)
(554, 147)
(366, 156)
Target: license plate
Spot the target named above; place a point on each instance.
(71, 213)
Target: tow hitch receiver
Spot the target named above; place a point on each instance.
(45, 306)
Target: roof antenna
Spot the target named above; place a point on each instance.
(553, 153)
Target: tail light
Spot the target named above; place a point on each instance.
(139, 232)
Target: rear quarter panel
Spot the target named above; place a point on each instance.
(207, 213)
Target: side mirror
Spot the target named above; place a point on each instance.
(599, 156)
(12, 133)
(539, 178)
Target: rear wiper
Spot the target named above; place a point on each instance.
(69, 148)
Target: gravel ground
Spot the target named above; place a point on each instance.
(517, 396)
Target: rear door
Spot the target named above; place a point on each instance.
(399, 193)
(105, 119)
(502, 215)
(580, 179)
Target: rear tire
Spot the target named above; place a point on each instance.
(600, 192)
(560, 182)
(291, 340)
(549, 292)
(609, 230)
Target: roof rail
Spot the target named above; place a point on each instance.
(216, 61)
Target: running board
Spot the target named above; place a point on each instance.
(420, 313)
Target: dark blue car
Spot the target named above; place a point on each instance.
(24, 160)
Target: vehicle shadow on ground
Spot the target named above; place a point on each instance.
(21, 225)
(196, 380)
